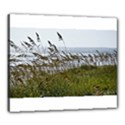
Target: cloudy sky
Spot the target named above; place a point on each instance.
(72, 37)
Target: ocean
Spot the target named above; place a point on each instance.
(90, 50)
(73, 50)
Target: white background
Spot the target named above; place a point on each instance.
(62, 22)
(78, 7)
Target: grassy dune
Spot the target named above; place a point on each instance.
(56, 73)
(85, 80)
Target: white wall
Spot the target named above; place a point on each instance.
(78, 7)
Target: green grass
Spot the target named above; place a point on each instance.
(41, 77)
(85, 80)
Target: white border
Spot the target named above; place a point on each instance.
(62, 22)
(62, 103)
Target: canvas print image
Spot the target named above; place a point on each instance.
(62, 56)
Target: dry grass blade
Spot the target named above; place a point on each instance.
(12, 44)
(51, 49)
(23, 45)
(61, 39)
(50, 43)
(31, 40)
(28, 45)
(40, 56)
(38, 37)
(55, 48)
(59, 35)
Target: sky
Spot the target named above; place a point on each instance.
(72, 37)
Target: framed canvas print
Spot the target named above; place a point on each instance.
(62, 62)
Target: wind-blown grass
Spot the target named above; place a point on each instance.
(59, 72)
